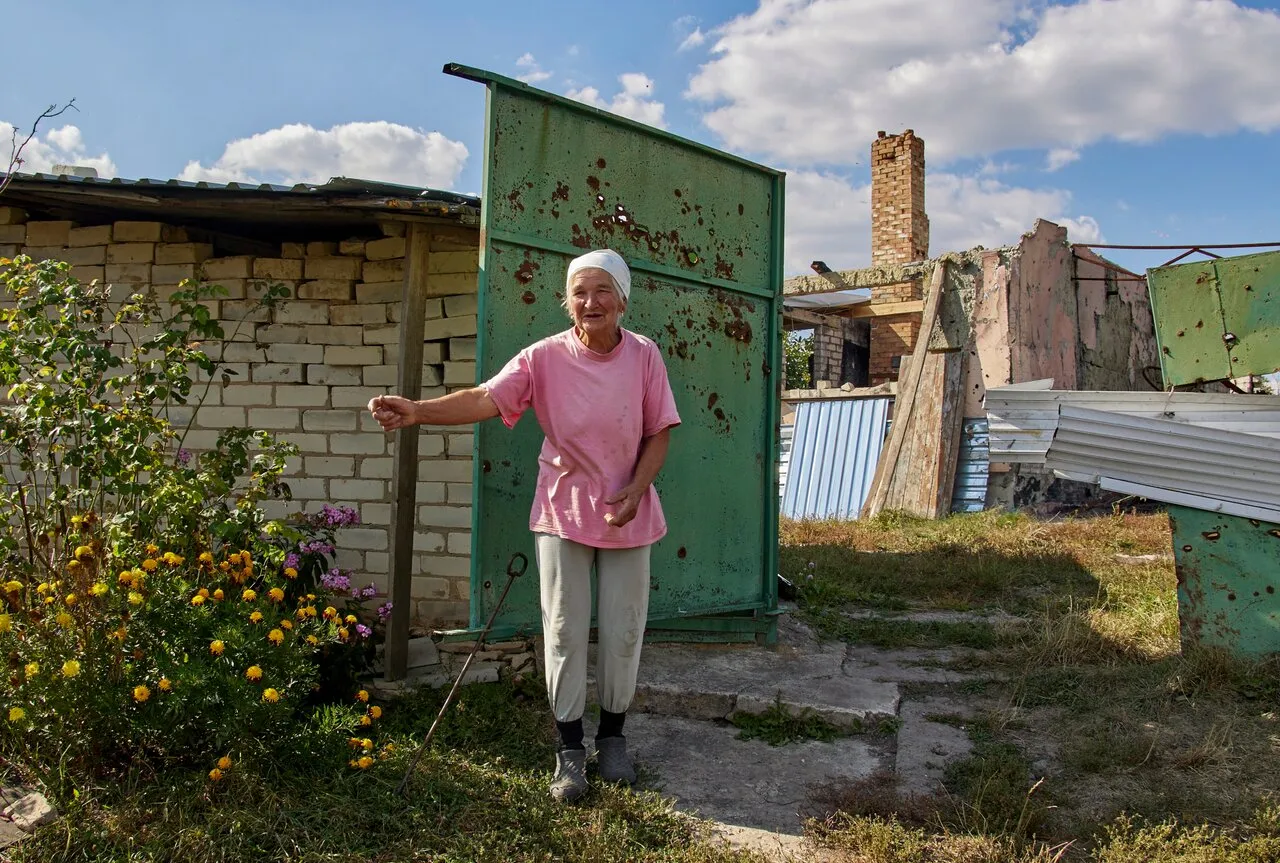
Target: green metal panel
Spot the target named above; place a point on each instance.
(1228, 580)
(702, 232)
(1217, 319)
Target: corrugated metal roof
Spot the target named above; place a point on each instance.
(1023, 417)
(972, 468)
(1179, 459)
(834, 450)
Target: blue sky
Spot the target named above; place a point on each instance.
(1132, 121)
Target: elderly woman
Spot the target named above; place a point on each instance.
(601, 395)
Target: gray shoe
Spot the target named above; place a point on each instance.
(570, 781)
(614, 762)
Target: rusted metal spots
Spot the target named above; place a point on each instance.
(682, 552)
(514, 200)
(601, 164)
(1188, 548)
(739, 331)
(561, 193)
(1212, 535)
(740, 210)
(525, 273)
(712, 399)
(593, 183)
(1274, 533)
(679, 193)
(529, 298)
(486, 466)
(723, 268)
(719, 412)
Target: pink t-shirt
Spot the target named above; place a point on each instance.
(595, 409)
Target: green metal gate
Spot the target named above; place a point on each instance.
(702, 232)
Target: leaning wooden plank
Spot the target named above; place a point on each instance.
(912, 483)
(905, 401)
(952, 425)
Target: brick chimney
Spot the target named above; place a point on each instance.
(899, 235)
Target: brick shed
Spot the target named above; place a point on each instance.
(348, 251)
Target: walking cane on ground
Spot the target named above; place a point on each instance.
(515, 568)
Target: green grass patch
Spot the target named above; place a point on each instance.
(902, 633)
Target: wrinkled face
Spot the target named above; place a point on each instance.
(594, 303)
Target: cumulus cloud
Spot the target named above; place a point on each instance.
(533, 73)
(634, 101)
(829, 217)
(298, 153)
(64, 145)
(810, 81)
(1060, 157)
(689, 32)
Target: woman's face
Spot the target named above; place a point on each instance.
(593, 302)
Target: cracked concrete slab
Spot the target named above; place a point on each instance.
(925, 747)
(742, 783)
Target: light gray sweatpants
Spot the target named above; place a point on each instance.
(622, 587)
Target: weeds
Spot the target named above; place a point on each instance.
(778, 725)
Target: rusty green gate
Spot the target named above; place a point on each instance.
(702, 233)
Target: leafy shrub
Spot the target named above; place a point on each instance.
(151, 611)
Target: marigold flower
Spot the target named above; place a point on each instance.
(276, 594)
(353, 742)
(253, 673)
(16, 714)
(125, 578)
(150, 564)
(255, 617)
(215, 774)
(245, 556)
(286, 623)
(290, 572)
(219, 595)
(312, 640)
(42, 588)
(375, 711)
(135, 598)
(83, 551)
(164, 684)
(197, 600)
(70, 668)
(120, 633)
(275, 636)
(234, 559)
(173, 559)
(77, 519)
(217, 647)
(73, 565)
(139, 577)
(152, 548)
(248, 568)
(71, 599)
(13, 587)
(141, 693)
(330, 613)
(270, 695)
(31, 669)
(224, 566)
(205, 557)
(99, 589)
(64, 620)
(344, 633)
(364, 762)
(366, 721)
(204, 591)
(249, 594)
(48, 600)
(6, 624)
(351, 619)
(311, 597)
(363, 696)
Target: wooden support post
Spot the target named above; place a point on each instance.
(404, 504)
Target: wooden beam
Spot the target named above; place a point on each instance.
(905, 402)
(807, 318)
(882, 310)
(404, 504)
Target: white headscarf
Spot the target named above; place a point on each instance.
(603, 259)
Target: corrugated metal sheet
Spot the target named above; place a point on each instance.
(1023, 417)
(834, 451)
(972, 468)
(785, 437)
(1168, 459)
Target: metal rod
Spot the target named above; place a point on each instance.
(1192, 246)
(513, 572)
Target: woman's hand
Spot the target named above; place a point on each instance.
(393, 412)
(628, 500)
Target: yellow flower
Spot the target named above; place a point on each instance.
(150, 564)
(5, 623)
(363, 696)
(330, 613)
(286, 623)
(224, 566)
(42, 588)
(310, 610)
(366, 721)
(64, 620)
(152, 548)
(365, 762)
(311, 597)
(71, 599)
(204, 591)
(234, 559)
(276, 594)
(312, 640)
(343, 633)
(270, 694)
(352, 620)
(70, 668)
(248, 568)
(139, 576)
(219, 595)
(48, 600)
(249, 595)
(197, 600)
(141, 693)
(256, 617)
(375, 711)
(32, 669)
(83, 551)
(275, 636)
(164, 684)
(99, 589)
(120, 633)
(135, 598)
(13, 586)
(254, 673)
(215, 774)
(366, 744)
(73, 565)
(125, 578)
(290, 572)
(216, 648)
(245, 556)
(224, 763)
(77, 519)
(16, 714)
(173, 559)
(205, 557)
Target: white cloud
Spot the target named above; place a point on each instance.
(61, 146)
(368, 151)
(693, 40)
(634, 101)
(829, 218)
(1060, 157)
(534, 73)
(689, 32)
(811, 81)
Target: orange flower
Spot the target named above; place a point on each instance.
(276, 594)
(253, 673)
(141, 693)
(275, 636)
